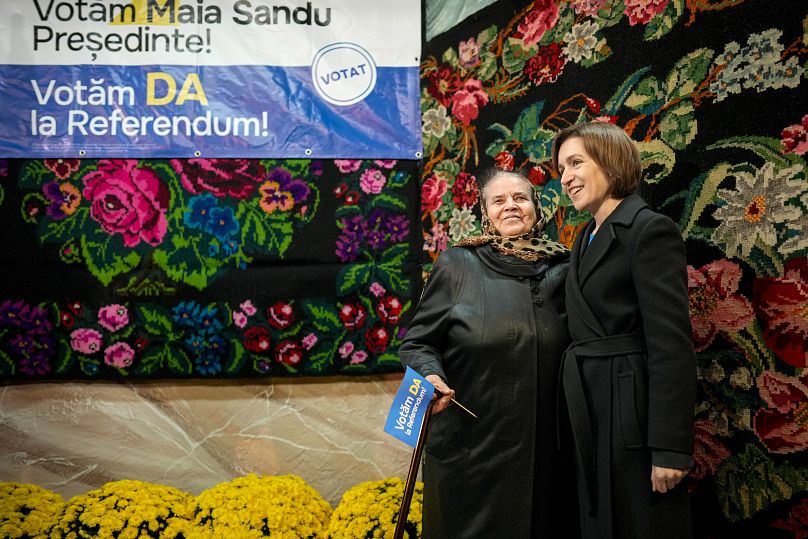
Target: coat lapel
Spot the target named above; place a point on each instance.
(576, 302)
(622, 215)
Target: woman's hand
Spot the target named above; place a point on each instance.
(444, 400)
(664, 479)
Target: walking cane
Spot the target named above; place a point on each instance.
(409, 486)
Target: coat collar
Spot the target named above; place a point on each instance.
(623, 215)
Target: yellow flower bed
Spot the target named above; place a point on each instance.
(370, 509)
(284, 507)
(27, 511)
(126, 509)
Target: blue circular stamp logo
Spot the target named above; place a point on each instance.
(343, 73)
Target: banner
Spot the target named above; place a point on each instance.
(409, 408)
(211, 78)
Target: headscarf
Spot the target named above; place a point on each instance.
(532, 246)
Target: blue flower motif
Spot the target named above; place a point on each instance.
(208, 323)
(187, 314)
(200, 208)
(222, 223)
(208, 365)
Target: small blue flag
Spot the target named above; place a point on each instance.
(409, 408)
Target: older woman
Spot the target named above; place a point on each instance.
(629, 376)
(490, 330)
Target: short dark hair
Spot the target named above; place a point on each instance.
(613, 151)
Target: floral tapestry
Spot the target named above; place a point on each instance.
(713, 92)
(199, 268)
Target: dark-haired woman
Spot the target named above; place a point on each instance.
(629, 377)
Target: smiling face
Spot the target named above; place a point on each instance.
(582, 179)
(509, 204)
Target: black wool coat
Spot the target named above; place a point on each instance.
(494, 329)
(629, 376)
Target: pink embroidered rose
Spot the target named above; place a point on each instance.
(85, 341)
(372, 181)
(348, 165)
(128, 200)
(385, 163)
(359, 357)
(377, 290)
(541, 18)
(708, 451)
(346, 349)
(466, 103)
(248, 307)
(714, 304)
(642, 11)
(113, 317)
(237, 178)
(119, 355)
(795, 137)
(239, 319)
(782, 427)
(432, 192)
(309, 341)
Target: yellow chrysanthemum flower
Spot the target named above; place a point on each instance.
(27, 511)
(370, 509)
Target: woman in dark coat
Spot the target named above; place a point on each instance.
(490, 328)
(629, 376)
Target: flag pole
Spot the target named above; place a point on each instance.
(409, 486)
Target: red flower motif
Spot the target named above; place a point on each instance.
(714, 305)
(467, 102)
(443, 83)
(67, 319)
(63, 168)
(389, 309)
(339, 190)
(795, 137)
(642, 11)
(288, 353)
(281, 315)
(536, 175)
(797, 520)
(257, 339)
(547, 65)
(707, 451)
(432, 193)
(780, 302)
(75, 308)
(782, 427)
(352, 198)
(140, 344)
(465, 190)
(504, 161)
(593, 105)
(353, 316)
(237, 178)
(376, 339)
(541, 18)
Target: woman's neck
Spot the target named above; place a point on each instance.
(605, 210)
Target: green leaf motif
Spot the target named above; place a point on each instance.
(752, 481)
(450, 57)
(678, 125)
(448, 166)
(513, 56)
(619, 97)
(656, 152)
(238, 358)
(156, 323)
(648, 97)
(7, 365)
(178, 361)
(665, 21)
(389, 202)
(390, 268)
(104, 261)
(767, 148)
(389, 359)
(688, 73)
(701, 193)
(353, 276)
(322, 317)
(487, 37)
(279, 236)
(487, 67)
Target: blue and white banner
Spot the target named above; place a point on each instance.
(409, 408)
(213, 78)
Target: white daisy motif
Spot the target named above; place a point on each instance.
(461, 224)
(435, 122)
(581, 41)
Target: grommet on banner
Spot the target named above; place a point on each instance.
(308, 151)
(418, 155)
(82, 153)
(197, 153)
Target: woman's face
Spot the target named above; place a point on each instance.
(509, 205)
(581, 177)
